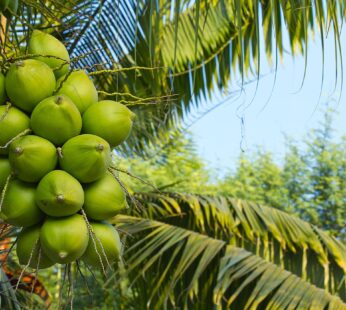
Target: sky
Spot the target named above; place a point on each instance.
(287, 109)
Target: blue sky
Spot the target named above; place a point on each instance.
(219, 135)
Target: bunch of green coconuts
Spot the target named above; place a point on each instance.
(55, 154)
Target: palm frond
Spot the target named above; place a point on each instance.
(175, 267)
(276, 236)
(167, 53)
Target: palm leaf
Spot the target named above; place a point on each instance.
(168, 55)
(274, 235)
(181, 268)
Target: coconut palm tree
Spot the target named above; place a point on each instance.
(161, 58)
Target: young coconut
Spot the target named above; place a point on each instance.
(5, 171)
(107, 236)
(2, 88)
(79, 88)
(28, 82)
(103, 198)
(29, 249)
(32, 157)
(12, 123)
(86, 157)
(57, 119)
(110, 120)
(64, 239)
(19, 207)
(45, 44)
(59, 194)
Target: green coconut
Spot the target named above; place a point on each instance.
(45, 44)
(86, 157)
(5, 171)
(59, 194)
(79, 88)
(107, 236)
(2, 88)
(103, 198)
(19, 207)
(109, 120)
(64, 239)
(12, 123)
(32, 157)
(56, 119)
(28, 82)
(29, 250)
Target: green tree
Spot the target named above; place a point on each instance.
(315, 178)
(257, 178)
(310, 183)
(174, 167)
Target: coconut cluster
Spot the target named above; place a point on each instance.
(55, 155)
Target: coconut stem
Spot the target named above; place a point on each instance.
(20, 63)
(63, 255)
(60, 198)
(133, 199)
(59, 100)
(27, 265)
(18, 150)
(4, 190)
(8, 106)
(94, 239)
(23, 133)
(59, 151)
(100, 147)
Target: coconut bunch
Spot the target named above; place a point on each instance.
(55, 153)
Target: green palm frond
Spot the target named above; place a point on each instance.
(274, 235)
(193, 48)
(175, 267)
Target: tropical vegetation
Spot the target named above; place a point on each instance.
(195, 249)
